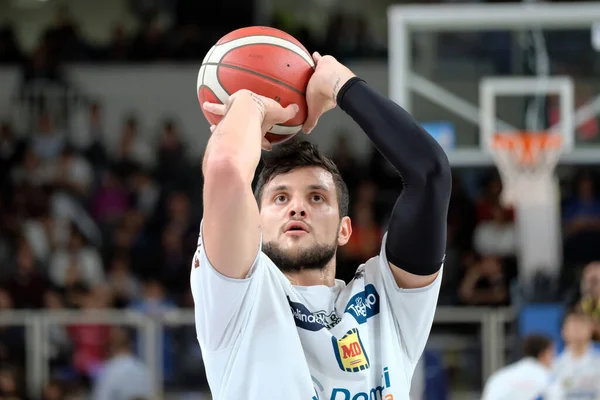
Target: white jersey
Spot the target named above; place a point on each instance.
(263, 338)
(526, 379)
(579, 377)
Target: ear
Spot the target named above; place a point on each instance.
(345, 231)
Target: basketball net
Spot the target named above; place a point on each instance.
(526, 162)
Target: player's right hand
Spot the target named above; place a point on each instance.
(269, 111)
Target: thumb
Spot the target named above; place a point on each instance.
(287, 113)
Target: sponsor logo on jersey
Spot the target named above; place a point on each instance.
(360, 272)
(350, 352)
(381, 392)
(364, 305)
(312, 321)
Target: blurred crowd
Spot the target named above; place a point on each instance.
(93, 227)
(347, 35)
(90, 227)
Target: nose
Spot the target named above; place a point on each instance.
(297, 208)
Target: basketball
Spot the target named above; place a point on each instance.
(266, 61)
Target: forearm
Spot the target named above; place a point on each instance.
(416, 240)
(237, 138)
(395, 133)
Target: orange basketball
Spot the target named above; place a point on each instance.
(264, 60)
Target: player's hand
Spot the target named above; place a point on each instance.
(268, 110)
(323, 87)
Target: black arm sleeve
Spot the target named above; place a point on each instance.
(416, 238)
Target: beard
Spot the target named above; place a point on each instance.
(315, 257)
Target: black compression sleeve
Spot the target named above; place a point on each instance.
(416, 239)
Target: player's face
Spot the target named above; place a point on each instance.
(577, 329)
(300, 220)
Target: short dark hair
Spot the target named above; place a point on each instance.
(295, 154)
(534, 345)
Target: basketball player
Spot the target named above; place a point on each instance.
(578, 367)
(529, 378)
(272, 320)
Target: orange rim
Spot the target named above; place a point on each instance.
(524, 142)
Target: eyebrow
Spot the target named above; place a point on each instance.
(284, 188)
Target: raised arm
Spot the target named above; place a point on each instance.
(230, 225)
(416, 238)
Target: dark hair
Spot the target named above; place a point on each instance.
(535, 345)
(298, 154)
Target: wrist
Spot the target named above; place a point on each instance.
(249, 104)
(339, 79)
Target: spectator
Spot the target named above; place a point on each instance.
(42, 235)
(588, 300)
(581, 218)
(54, 390)
(47, 142)
(110, 202)
(27, 283)
(78, 263)
(72, 174)
(89, 340)
(125, 287)
(11, 387)
(124, 376)
(132, 149)
(12, 338)
(489, 199)
(496, 236)
(484, 283)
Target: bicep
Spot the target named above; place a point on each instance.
(231, 227)
(220, 303)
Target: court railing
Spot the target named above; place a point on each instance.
(151, 328)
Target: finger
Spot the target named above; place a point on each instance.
(314, 112)
(316, 56)
(214, 108)
(212, 128)
(279, 115)
(289, 112)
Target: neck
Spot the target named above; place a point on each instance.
(578, 349)
(314, 277)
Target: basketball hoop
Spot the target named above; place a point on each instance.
(526, 162)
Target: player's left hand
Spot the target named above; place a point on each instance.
(323, 87)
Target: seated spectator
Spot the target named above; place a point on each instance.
(27, 283)
(12, 338)
(484, 283)
(581, 219)
(124, 376)
(47, 142)
(78, 263)
(496, 236)
(489, 199)
(125, 287)
(582, 210)
(89, 340)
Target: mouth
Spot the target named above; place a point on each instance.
(296, 228)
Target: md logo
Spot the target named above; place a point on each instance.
(364, 305)
(350, 352)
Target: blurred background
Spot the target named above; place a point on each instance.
(101, 143)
